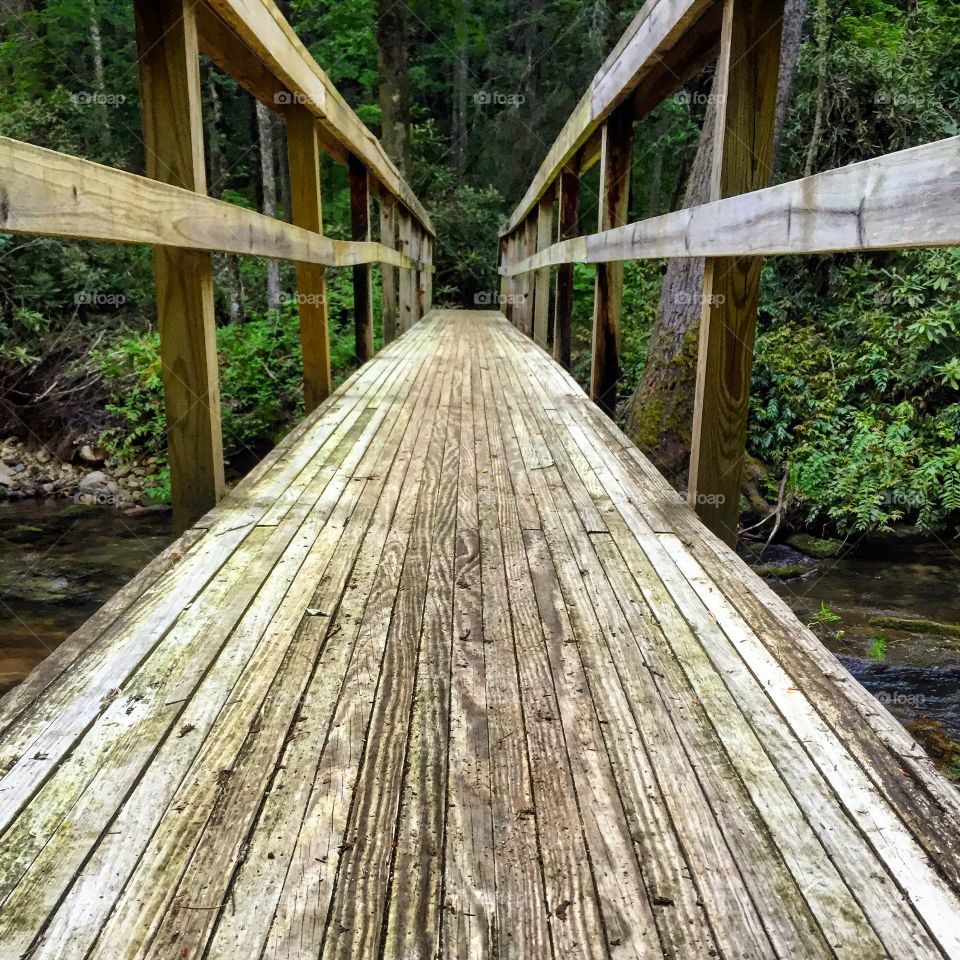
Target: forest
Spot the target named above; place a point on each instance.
(855, 419)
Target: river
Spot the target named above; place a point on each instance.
(58, 565)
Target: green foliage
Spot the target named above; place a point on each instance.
(856, 388)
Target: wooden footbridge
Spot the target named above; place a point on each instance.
(454, 672)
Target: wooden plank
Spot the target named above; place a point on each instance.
(306, 195)
(51, 194)
(887, 203)
(615, 164)
(746, 88)
(414, 922)
(569, 227)
(656, 30)
(607, 904)
(469, 874)
(388, 273)
(362, 275)
(521, 922)
(169, 63)
(262, 28)
(542, 313)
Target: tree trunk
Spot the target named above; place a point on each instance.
(659, 415)
(660, 412)
(269, 180)
(794, 18)
(823, 41)
(392, 41)
(461, 79)
(99, 84)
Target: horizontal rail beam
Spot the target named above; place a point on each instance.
(51, 194)
(261, 28)
(645, 48)
(887, 203)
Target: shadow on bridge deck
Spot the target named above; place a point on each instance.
(455, 670)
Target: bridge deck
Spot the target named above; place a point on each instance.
(454, 670)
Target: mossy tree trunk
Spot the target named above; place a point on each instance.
(659, 414)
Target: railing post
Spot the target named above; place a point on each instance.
(421, 288)
(406, 275)
(746, 88)
(388, 272)
(568, 227)
(362, 273)
(541, 302)
(510, 303)
(615, 156)
(427, 275)
(529, 248)
(307, 203)
(173, 135)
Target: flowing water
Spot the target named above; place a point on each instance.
(58, 565)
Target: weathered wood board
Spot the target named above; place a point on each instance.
(454, 673)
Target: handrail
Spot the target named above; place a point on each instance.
(891, 202)
(48, 193)
(905, 199)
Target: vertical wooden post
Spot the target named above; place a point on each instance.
(504, 280)
(388, 272)
(362, 273)
(406, 275)
(615, 156)
(421, 284)
(307, 209)
(747, 71)
(568, 226)
(173, 135)
(541, 300)
(427, 275)
(510, 303)
(529, 289)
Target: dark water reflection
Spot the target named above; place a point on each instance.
(58, 565)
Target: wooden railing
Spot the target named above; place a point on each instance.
(905, 199)
(43, 192)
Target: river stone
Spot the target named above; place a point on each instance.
(6, 475)
(93, 482)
